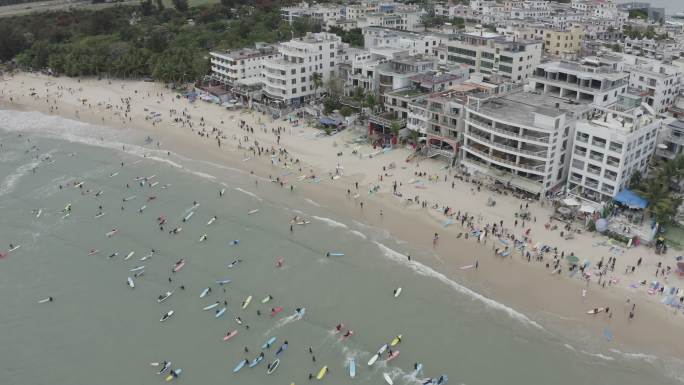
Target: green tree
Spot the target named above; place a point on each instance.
(180, 5)
(11, 41)
(317, 79)
(345, 111)
(635, 180)
(160, 5)
(370, 101)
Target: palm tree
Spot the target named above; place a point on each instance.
(370, 101)
(317, 81)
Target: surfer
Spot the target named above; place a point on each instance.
(347, 334)
(258, 312)
(339, 327)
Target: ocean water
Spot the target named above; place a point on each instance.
(100, 331)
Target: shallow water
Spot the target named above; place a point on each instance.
(100, 331)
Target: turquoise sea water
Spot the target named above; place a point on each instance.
(100, 331)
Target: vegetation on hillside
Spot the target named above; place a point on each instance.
(170, 44)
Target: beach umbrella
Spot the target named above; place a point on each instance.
(602, 225)
(572, 259)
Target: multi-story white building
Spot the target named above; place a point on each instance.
(581, 82)
(610, 145)
(404, 20)
(290, 79)
(413, 43)
(659, 83)
(522, 140)
(671, 140)
(229, 67)
(491, 53)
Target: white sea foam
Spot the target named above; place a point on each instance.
(359, 234)
(253, 195)
(10, 181)
(429, 272)
(599, 355)
(312, 202)
(330, 222)
(636, 356)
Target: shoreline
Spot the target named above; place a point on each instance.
(531, 290)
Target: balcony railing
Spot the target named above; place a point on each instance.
(537, 169)
(505, 132)
(612, 177)
(583, 139)
(575, 179)
(594, 171)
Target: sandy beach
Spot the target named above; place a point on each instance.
(528, 286)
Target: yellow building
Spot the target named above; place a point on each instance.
(563, 43)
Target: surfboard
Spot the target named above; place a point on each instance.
(467, 267)
(273, 366)
(322, 373)
(240, 365)
(246, 302)
(595, 311)
(373, 359)
(15, 248)
(269, 343)
(256, 361)
(170, 377)
(209, 307)
(178, 266)
(142, 208)
(44, 300)
(220, 312)
(129, 255)
(137, 268)
(268, 298)
(230, 335)
(352, 368)
(204, 293)
(187, 217)
(335, 254)
(166, 316)
(131, 284)
(253, 212)
(396, 340)
(397, 292)
(165, 296)
(100, 215)
(387, 378)
(212, 220)
(223, 281)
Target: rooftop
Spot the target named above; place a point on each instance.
(247, 53)
(601, 72)
(521, 107)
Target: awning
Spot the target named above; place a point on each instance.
(631, 199)
(587, 209)
(572, 259)
(328, 121)
(570, 202)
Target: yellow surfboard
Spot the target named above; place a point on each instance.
(322, 373)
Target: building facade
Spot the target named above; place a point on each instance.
(302, 69)
(610, 145)
(490, 53)
(580, 82)
(229, 67)
(563, 43)
(522, 140)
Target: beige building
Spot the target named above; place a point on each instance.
(563, 43)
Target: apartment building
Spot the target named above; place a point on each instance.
(491, 53)
(403, 20)
(413, 43)
(522, 140)
(610, 145)
(671, 140)
(658, 83)
(289, 78)
(397, 73)
(581, 82)
(563, 43)
(229, 67)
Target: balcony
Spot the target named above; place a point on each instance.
(538, 169)
(580, 152)
(610, 176)
(594, 171)
(615, 148)
(591, 185)
(595, 157)
(575, 179)
(607, 190)
(583, 139)
(508, 134)
(613, 163)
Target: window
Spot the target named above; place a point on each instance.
(303, 79)
(293, 71)
(303, 89)
(294, 90)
